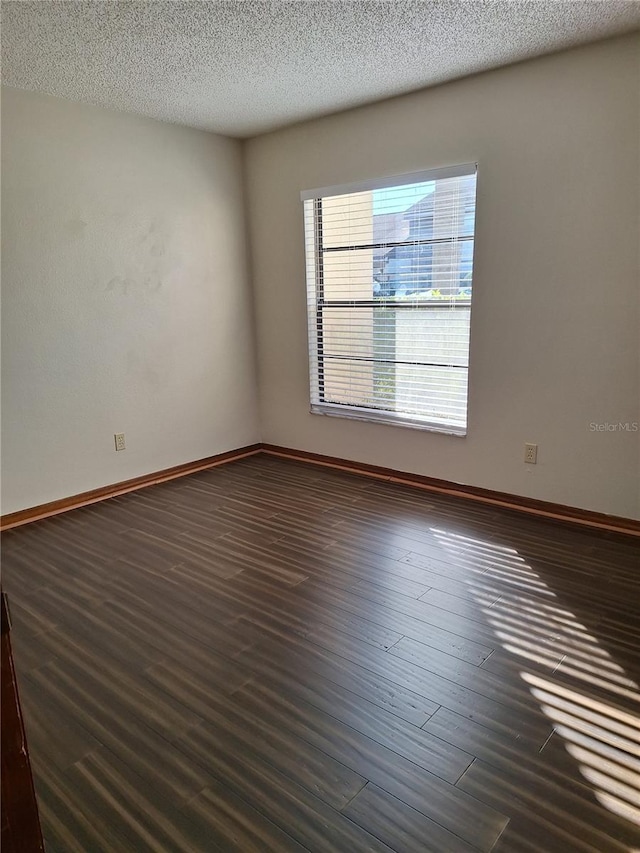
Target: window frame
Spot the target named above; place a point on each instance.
(315, 299)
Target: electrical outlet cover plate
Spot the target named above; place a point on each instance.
(531, 453)
(119, 440)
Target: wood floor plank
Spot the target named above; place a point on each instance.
(360, 605)
(463, 673)
(528, 770)
(568, 820)
(325, 777)
(508, 666)
(450, 573)
(200, 645)
(388, 729)
(68, 823)
(530, 836)
(461, 605)
(391, 543)
(141, 814)
(85, 664)
(258, 597)
(417, 616)
(276, 656)
(469, 691)
(396, 583)
(92, 627)
(273, 654)
(239, 826)
(306, 818)
(406, 829)
(438, 800)
(342, 537)
(464, 650)
(477, 739)
(62, 740)
(31, 651)
(244, 554)
(139, 746)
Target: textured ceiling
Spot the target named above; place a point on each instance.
(241, 68)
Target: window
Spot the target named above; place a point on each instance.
(389, 282)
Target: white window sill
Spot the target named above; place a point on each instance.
(336, 410)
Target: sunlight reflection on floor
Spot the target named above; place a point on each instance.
(603, 740)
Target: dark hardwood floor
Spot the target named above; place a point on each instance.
(273, 656)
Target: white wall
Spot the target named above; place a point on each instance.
(126, 302)
(555, 322)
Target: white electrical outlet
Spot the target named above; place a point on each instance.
(119, 440)
(531, 453)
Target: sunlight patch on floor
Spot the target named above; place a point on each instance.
(603, 739)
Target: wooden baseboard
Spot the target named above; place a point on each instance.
(24, 516)
(531, 506)
(544, 509)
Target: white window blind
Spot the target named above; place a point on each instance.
(389, 283)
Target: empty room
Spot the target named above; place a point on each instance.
(321, 426)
